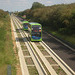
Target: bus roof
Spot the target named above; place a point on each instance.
(34, 23)
(25, 22)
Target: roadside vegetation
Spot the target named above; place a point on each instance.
(7, 56)
(57, 19)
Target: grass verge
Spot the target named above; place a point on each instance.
(69, 39)
(7, 56)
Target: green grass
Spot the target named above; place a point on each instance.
(68, 38)
(7, 56)
(32, 70)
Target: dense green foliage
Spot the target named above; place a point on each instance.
(6, 47)
(37, 5)
(2, 14)
(59, 18)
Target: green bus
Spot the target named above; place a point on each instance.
(35, 31)
(25, 25)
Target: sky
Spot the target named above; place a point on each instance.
(20, 5)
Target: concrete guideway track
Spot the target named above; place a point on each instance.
(20, 54)
(50, 69)
(65, 68)
(32, 54)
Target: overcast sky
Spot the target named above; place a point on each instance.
(20, 5)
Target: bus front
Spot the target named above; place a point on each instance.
(25, 26)
(36, 33)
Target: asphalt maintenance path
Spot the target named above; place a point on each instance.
(66, 54)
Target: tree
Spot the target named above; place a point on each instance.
(37, 5)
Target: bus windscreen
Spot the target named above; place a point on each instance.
(25, 26)
(36, 32)
(36, 28)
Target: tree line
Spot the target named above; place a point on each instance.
(3, 14)
(59, 17)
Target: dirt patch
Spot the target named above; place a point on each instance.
(17, 30)
(44, 52)
(29, 61)
(59, 71)
(19, 35)
(26, 53)
(18, 70)
(22, 43)
(23, 47)
(32, 70)
(40, 47)
(21, 39)
(37, 43)
(51, 60)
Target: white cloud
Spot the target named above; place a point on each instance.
(3, 1)
(68, 1)
(6, 2)
(48, 2)
(40, 0)
(19, 3)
